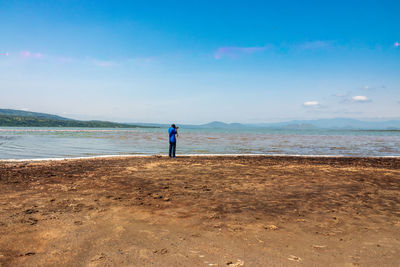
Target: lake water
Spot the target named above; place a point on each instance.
(30, 143)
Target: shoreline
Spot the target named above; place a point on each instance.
(200, 155)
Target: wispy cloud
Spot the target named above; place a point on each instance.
(344, 98)
(25, 53)
(341, 95)
(311, 104)
(234, 51)
(24, 56)
(28, 54)
(360, 99)
(369, 87)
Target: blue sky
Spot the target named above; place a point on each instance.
(200, 61)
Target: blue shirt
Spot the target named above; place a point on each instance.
(172, 133)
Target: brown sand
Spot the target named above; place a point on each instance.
(201, 211)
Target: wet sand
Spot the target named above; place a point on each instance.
(201, 211)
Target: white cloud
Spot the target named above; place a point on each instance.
(311, 103)
(360, 98)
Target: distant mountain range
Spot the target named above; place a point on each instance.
(15, 118)
(20, 118)
(336, 123)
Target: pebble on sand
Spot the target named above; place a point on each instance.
(271, 227)
(294, 258)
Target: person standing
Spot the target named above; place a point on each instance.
(172, 131)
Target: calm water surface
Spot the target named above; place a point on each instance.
(24, 143)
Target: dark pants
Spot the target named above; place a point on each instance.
(172, 148)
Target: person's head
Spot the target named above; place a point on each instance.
(173, 126)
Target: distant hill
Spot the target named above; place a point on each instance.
(13, 112)
(219, 124)
(149, 125)
(19, 118)
(335, 123)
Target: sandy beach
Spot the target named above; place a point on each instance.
(201, 211)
